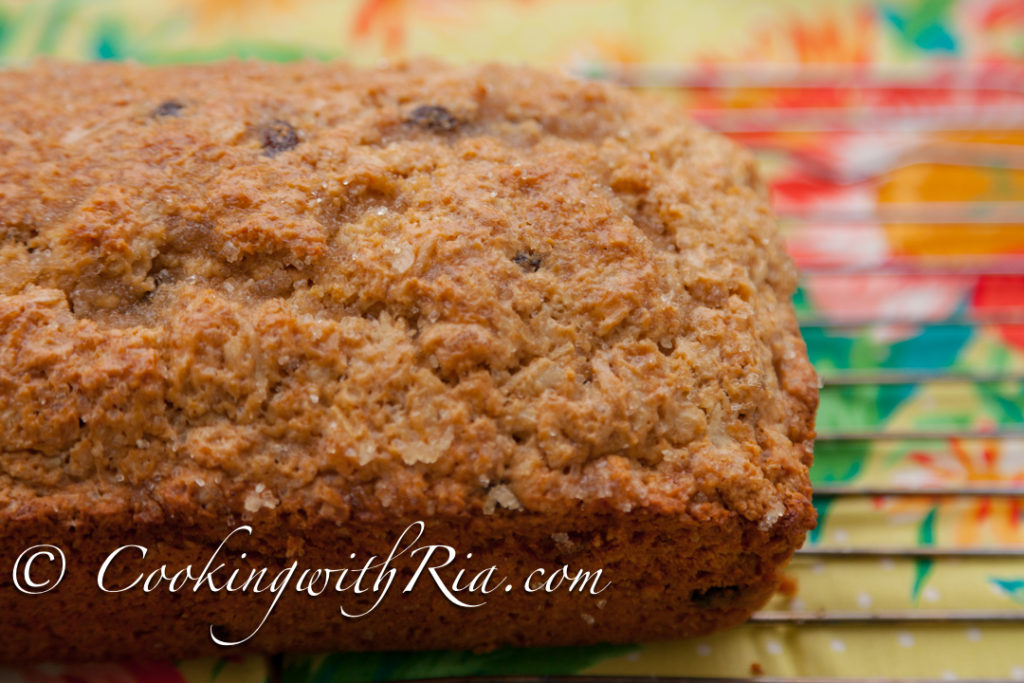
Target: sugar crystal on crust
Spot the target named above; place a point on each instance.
(379, 291)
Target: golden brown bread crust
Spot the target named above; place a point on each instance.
(328, 301)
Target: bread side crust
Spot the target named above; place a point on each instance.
(661, 578)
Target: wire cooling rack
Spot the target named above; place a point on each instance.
(833, 168)
(832, 154)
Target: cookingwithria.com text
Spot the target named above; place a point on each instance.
(41, 568)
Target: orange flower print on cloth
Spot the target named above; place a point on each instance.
(979, 463)
(874, 99)
(831, 37)
(969, 522)
(389, 21)
(384, 18)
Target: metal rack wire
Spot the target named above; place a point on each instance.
(1007, 113)
(915, 616)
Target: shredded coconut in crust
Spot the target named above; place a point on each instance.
(393, 291)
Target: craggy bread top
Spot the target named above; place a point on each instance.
(415, 289)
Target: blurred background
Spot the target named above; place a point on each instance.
(892, 135)
(590, 33)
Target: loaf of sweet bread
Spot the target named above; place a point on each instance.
(310, 357)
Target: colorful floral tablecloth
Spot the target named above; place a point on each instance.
(893, 135)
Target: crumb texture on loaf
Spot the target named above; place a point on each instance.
(313, 289)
